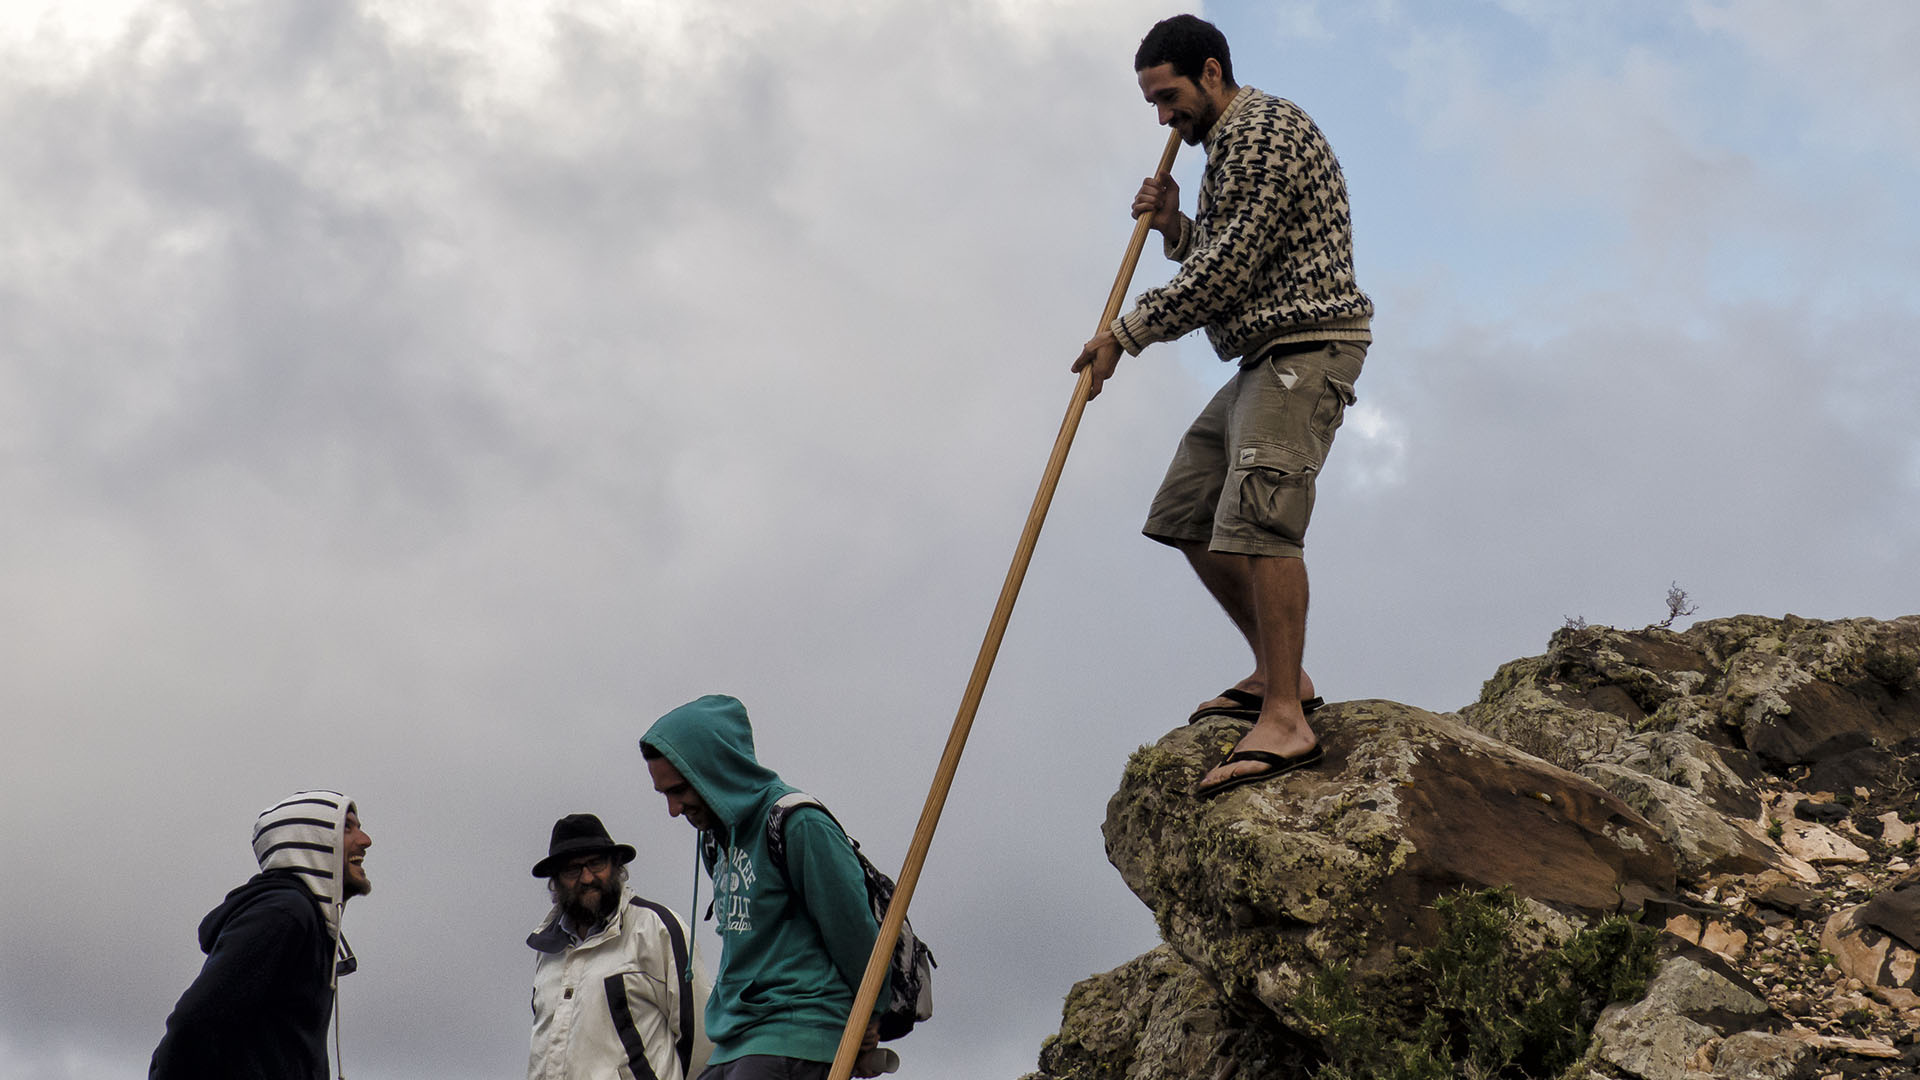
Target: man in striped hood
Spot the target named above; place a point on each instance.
(260, 1004)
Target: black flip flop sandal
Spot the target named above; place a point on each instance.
(1280, 766)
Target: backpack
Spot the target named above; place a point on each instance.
(908, 996)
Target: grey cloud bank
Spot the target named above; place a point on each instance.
(422, 410)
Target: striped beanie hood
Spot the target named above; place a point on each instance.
(306, 833)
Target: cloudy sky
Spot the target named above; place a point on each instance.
(418, 398)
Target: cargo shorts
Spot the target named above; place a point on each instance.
(1242, 478)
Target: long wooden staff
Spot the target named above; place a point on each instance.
(876, 974)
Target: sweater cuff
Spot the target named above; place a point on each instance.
(1127, 330)
(1178, 246)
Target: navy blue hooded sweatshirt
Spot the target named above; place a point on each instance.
(259, 1008)
(260, 1005)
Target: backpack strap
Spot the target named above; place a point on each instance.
(777, 816)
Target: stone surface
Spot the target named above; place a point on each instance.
(1893, 831)
(1808, 841)
(1896, 910)
(1760, 1055)
(1787, 691)
(1722, 939)
(1863, 769)
(1151, 1016)
(1154, 1018)
(1882, 963)
(1872, 1048)
(1792, 899)
(1820, 812)
(1686, 1005)
(1717, 773)
(1603, 695)
(1654, 1047)
(1820, 845)
(1704, 842)
(1266, 885)
(1804, 691)
(1686, 928)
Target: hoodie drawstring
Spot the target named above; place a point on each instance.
(694, 911)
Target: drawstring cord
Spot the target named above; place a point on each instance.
(343, 960)
(693, 913)
(339, 1066)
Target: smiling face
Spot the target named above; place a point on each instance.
(357, 843)
(682, 800)
(1186, 105)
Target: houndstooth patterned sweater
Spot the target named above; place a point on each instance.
(1269, 256)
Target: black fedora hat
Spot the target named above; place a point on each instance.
(579, 834)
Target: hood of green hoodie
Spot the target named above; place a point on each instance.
(711, 743)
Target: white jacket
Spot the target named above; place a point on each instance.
(619, 1004)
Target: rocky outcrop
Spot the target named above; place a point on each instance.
(1747, 784)
(1715, 708)
(1266, 886)
(1155, 1018)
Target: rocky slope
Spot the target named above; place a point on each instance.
(1747, 788)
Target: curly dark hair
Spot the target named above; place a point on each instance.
(1186, 42)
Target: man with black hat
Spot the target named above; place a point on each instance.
(616, 990)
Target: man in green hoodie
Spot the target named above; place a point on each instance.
(794, 944)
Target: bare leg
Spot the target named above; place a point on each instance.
(1230, 578)
(1280, 613)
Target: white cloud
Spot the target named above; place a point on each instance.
(1373, 448)
(50, 42)
(1854, 65)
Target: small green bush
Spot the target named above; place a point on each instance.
(1477, 1002)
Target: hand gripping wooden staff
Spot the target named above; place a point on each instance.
(876, 974)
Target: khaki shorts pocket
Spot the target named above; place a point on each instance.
(1275, 489)
(1331, 410)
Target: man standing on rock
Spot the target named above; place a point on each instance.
(1266, 266)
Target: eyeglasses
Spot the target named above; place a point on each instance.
(598, 864)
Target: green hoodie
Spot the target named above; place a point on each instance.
(793, 947)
